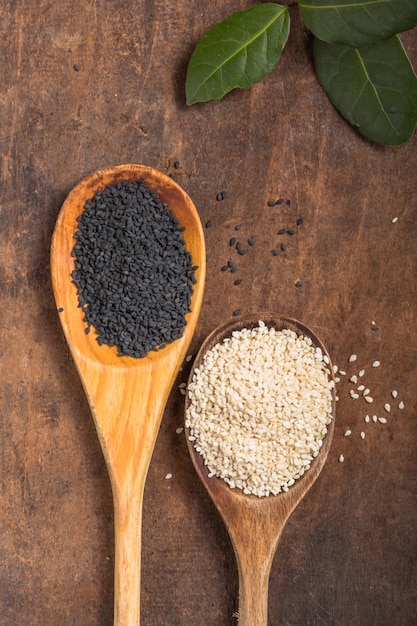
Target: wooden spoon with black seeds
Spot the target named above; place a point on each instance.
(127, 395)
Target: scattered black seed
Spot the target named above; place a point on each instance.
(242, 252)
(238, 226)
(209, 224)
(238, 281)
(234, 269)
(225, 268)
(251, 242)
(76, 67)
(171, 175)
(177, 165)
(87, 330)
(274, 252)
(299, 284)
(61, 309)
(291, 231)
(271, 202)
(280, 201)
(288, 203)
(236, 312)
(299, 221)
(283, 247)
(282, 231)
(238, 246)
(232, 241)
(221, 196)
(133, 274)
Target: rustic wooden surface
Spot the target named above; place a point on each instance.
(348, 554)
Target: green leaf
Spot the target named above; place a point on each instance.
(237, 52)
(374, 88)
(358, 23)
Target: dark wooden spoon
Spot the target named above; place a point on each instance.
(255, 524)
(127, 396)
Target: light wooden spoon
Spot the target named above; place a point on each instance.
(255, 524)
(127, 396)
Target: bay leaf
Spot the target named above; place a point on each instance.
(358, 22)
(374, 88)
(238, 52)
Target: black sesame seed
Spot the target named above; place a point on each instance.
(221, 196)
(282, 231)
(238, 281)
(225, 268)
(209, 223)
(61, 309)
(271, 202)
(238, 226)
(238, 246)
(234, 269)
(288, 203)
(236, 312)
(299, 221)
(242, 252)
(274, 252)
(76, 67)
(283, 247)
(280, 201)
(291, 231)
(299, 284)
(251, 242)
(177, 165)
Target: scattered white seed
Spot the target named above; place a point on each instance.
(335, 368)
(337, 398)
(353, 379)
(352, 358)
(361, 373)
(366, 392)
(182, 392)
(354, 395)
(367, 419)
(401, 405)
(341, 458)
(179, 430)
(376, 364)
(362, 435)
(337, 379)
(361, 388)
(394, 393)
(394, 220)
(188, 358)
(342, 372)
(348, 432)
(382, 420)
(369, 399)
(182, 385)
(168, 476)
(326, 359)
(374, 418)
(191, 438)
(387, 407)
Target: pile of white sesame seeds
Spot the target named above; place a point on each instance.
(259, 407)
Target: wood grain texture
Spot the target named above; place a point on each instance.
(347, 554)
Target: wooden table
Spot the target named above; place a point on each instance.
(92, 83)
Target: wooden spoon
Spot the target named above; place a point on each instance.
(127, 396)
(255, 524)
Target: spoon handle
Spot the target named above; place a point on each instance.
(253, 590)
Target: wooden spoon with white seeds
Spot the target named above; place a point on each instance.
(255, 523)
(127, 396)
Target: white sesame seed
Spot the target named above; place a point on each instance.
(168, 476)
(353, 379)
(342, 372)
(326, 359)
(361, 373)
(352, 358)
(382, 420)
(335, 368)
(361, 388)
(182, 392)
(401, 405)
(394, 220)
(337, 379)
(394, 393)
(367, 418)
(354, 395)
(387, 407)
(369, 399)
(182, 385)
(366, 392)
(336, 398)
(376, 364)
(188, 358)
(179, 430)
(374, 418)
(341, 458)
(362, 435)
(347, 432)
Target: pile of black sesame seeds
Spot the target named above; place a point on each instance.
(133, 273)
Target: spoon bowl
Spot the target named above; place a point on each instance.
(127, 395)
(255, 524)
